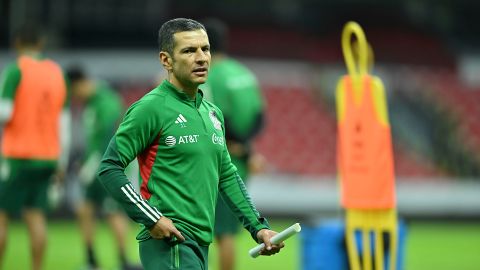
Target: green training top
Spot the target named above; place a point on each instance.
(184, 163)
(101, 117)
(235, 90)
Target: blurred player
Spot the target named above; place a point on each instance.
(235, 90)
(35, 116)
(101, 115)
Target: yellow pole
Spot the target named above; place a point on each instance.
(355, 70)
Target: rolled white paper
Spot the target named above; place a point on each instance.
(278, 238)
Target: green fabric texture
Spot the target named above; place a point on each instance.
(235, 90)
(182, 141)
(24, 185)
(165, 254)
(9, 81)
(226, 223)
(101, 117)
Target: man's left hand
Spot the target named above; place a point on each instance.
(265, 236)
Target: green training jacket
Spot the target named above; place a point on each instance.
(184, 164)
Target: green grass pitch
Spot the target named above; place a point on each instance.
(429, 246)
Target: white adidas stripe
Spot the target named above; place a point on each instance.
(152, 209)
(139, 199)
(138, 205)
(183, 118)
(179, 120)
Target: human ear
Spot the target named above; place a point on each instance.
(166, 60)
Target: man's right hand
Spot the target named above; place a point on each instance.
(164, 228)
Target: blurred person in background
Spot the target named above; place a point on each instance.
(235, 90)
(103, 109)
(178, 138)
(34, 113)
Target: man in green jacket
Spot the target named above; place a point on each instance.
(179, 140)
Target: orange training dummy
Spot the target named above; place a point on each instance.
(364, 154)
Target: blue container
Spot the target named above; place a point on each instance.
(324, 246)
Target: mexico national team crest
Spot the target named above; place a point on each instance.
(216, 123)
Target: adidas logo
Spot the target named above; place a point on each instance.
(181, 120)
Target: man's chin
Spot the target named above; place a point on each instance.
(201, 80)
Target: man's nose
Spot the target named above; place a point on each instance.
(201, 56)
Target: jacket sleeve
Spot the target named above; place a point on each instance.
(9, 81)
(137, 131)
(234, 193)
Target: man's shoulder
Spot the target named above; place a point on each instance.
(235, 66)
(209, 104)
(230, 72)
(106, 91)
(151, 101)
(107, 99)
(9, 80)
(154, 95)
(27, 60)
(53, 64)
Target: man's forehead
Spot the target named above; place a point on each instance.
(191, 38)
